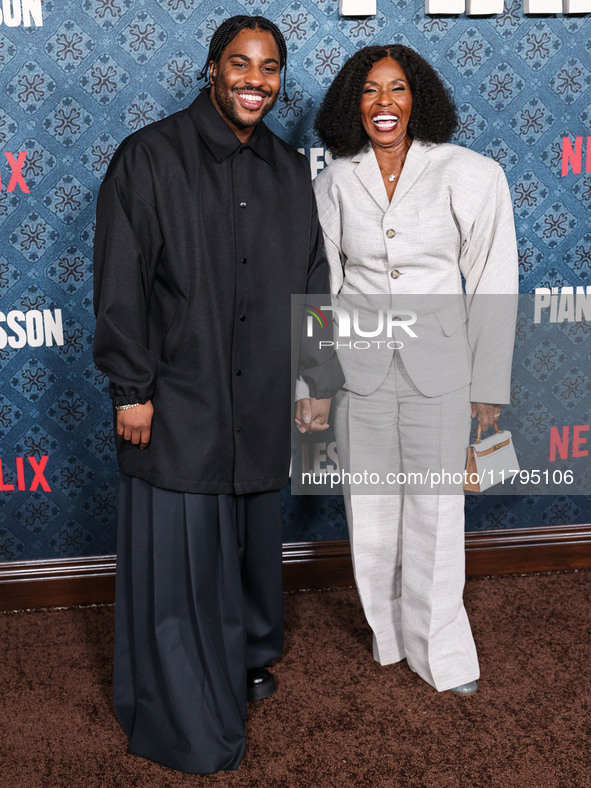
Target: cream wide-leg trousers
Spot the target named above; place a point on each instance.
(408, 549)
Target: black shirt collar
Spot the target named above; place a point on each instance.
(220, 138)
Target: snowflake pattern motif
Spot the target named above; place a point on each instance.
(104, 80)
(179, 75)
(554, 225)
(538, 45)
(33, 237)
(470, 125)
(36, 442)
(528, 194)
(30, 87)
(37, 513)
(71, 540)
(99, 153)
(106, 13)
(324, 61)
(38, 164)
(69, 46)
(70, 270)
(501, 87)
(531, 121)
(572, 387)
(69, 410)
(67, 121)
(142, 38)
(470, 52)
(67, 198)
(298, 26)
(571, 81)
(498, 150)
(101, 442)
(142, 110)
(33, 379)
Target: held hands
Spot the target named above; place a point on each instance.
(135, 424)
(485, 413)
(312, 414)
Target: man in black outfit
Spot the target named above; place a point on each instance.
(206, 224)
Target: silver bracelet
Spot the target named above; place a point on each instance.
(126, 407)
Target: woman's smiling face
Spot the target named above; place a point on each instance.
(386, 104)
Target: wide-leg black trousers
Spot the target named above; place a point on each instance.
(198, 602)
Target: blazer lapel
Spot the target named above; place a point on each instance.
(369, 174)
(415, 163)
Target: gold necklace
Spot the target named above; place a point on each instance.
(391, 175)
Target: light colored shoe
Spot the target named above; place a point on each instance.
(466, 689)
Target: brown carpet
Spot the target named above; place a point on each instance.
(338, 718)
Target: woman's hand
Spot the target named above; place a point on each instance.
(485, 413)
(312, 414)
(135, 424)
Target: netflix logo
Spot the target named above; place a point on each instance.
(567, 444)
(16, 175)
(573, 156)
(30, 475)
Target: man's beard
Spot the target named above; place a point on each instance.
(225, 101)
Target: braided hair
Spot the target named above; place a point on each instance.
(228, 30)
(433, 116)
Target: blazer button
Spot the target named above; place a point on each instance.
(395, 273)
(390, 233)
(243, 205)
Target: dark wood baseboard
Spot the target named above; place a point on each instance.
(76, 581)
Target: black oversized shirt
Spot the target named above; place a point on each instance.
(200, 242)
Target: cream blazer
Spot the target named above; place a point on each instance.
(450, 217)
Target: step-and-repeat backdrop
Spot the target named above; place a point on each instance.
(77, 76)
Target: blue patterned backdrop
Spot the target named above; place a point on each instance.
(96, 70)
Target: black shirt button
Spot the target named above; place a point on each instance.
(243, 261)
(243, 318)
(238, 429)
(239, 372)
(243, 205)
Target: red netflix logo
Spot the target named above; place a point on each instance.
(560, 444)
(38, 480)
(574, 156)
(16, 175)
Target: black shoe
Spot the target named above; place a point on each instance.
(259, 684)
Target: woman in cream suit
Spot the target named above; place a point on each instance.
(404, 212)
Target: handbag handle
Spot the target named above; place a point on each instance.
(479, 432)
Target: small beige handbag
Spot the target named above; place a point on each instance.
(490, 461)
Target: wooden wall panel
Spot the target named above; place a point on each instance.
(78, 581)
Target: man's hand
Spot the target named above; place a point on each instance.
(312, 414)
(485, 413)
(134, 424)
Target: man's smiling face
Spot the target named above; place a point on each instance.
(246, 80)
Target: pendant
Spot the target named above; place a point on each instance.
(391, 177)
